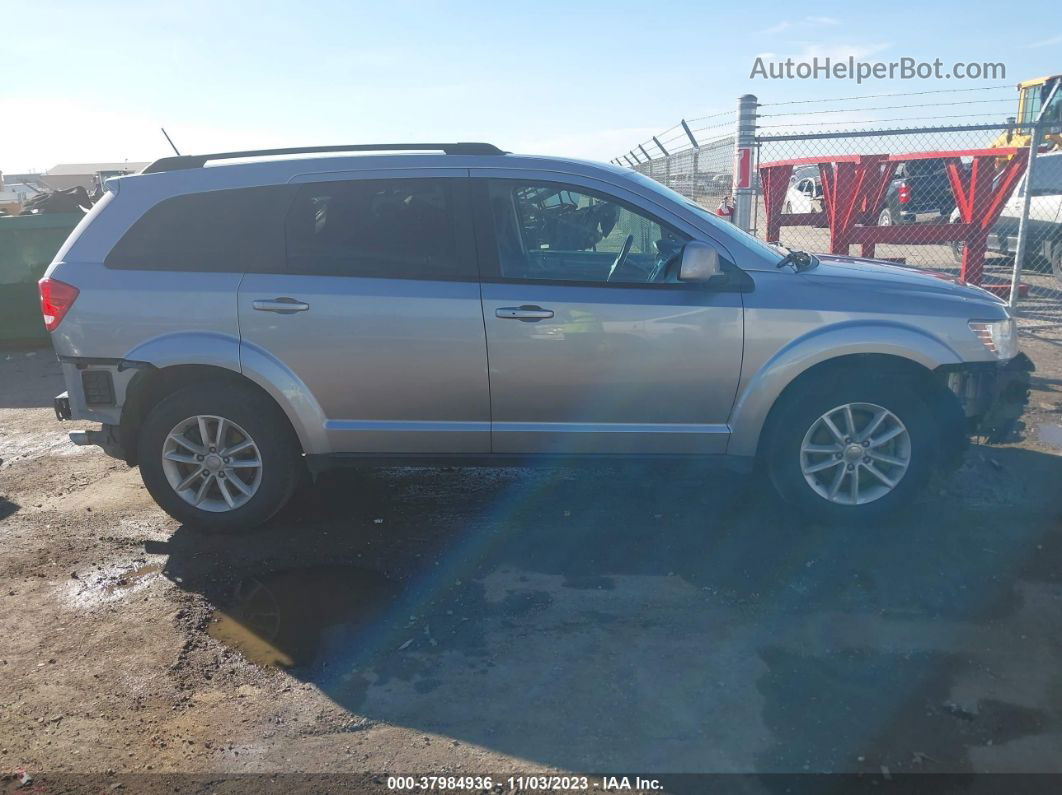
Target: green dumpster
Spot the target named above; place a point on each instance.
(27, 245)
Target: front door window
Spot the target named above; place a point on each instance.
(556, 232)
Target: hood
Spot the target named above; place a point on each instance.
(899, 277)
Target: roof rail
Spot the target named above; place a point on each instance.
(198, 161)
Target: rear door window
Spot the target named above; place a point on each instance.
(224, 230)
(395, 229)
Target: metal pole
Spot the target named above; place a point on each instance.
(755, 190)
(689, 134)
(1023, 222)
(744, 181)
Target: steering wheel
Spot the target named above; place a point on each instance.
(659, 272)
(621, 258)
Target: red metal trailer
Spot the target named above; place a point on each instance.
(854, 186)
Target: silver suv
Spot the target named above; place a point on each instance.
(233, 325)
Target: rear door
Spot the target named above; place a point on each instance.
(594, 346)
(377, 311)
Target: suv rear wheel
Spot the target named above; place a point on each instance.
(849, 451)
(217, 456)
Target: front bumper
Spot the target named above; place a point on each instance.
(993, 396)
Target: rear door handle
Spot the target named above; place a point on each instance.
(283, 306)
(526, 312)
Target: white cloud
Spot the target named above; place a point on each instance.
(776, 28)
(813, 22)
(1047, 42)
(839, 52)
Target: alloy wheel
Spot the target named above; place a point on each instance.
(855, 453)
(212, 463)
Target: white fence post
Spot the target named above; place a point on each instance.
(1023, 221)
(744, 184)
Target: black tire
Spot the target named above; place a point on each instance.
(885, 217)
(263, 421)
(788, 208)
(807, 402)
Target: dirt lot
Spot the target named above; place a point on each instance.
(464, 620)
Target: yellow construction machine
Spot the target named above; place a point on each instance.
(1039, 99)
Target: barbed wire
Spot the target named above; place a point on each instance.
(873, 121)
(713, 116)
(896, 94)
(882, 107)
(718, 126)
(681, 136)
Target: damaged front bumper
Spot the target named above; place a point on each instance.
(993, 395)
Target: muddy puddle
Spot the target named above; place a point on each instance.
(279, 619)
(1050, 433)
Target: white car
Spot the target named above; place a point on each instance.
(804, 196)
(1044, 240)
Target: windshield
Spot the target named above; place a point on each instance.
(1047, 176)
(767, 250)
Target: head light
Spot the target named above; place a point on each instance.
(999, 336)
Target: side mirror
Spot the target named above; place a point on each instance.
(700, 263)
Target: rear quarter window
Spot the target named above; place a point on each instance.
(225, 230)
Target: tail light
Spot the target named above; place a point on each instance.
(56, 299)
(904, 195)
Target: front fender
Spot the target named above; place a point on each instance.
(760, 388)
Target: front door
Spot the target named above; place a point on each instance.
(378, 313)
(594, 346)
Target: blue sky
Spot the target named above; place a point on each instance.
(93, 81)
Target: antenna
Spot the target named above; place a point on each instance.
(170, 140)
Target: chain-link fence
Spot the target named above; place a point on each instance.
(695, 157)
(948, 199)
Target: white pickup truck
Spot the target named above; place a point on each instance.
(1044, 242)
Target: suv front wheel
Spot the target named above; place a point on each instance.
(851, 452)
(219, 457)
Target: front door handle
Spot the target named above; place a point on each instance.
(283, 306)
(527, 313)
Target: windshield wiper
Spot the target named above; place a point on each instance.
(800, 260)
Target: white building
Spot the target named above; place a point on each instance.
(70, 175)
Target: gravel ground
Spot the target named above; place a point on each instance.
(489, 620)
